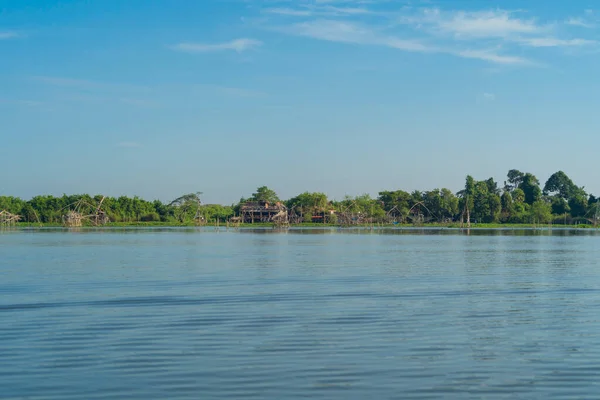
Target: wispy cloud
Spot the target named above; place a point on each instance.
(580, 22)
(554, 42)
(226, 91)
(4, 35)
(320, 10)
(27, 103)
(500, 25)
(238, 92)
(86, 84)
(485, 97)
(493, 57)
(289, 12)
(129, 145)
(346, 32)
(482, 24)
(238, 45)
(488, 35)
(156, 96)
(143, 103)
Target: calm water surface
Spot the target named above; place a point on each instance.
(321, 314)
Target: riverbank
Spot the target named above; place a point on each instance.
(454, 225)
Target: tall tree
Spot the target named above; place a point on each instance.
(492, 186)
(506, 203)
(263, 193)
(515, 178)
(467, 199)
(531, 188)
(559, 206)
(486, 204)
(559, 184)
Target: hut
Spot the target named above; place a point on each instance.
(323, 216)
(234, 222)
(261, 211)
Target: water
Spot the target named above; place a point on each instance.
(321, 314)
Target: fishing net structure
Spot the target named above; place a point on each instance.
(281, 219)
(185, 205)
(7, 218)
(419, 214)
(85, 212)
(351, 215)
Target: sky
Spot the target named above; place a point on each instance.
(161, 98)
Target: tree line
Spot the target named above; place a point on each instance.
(521, 199)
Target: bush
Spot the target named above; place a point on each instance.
(151, 217)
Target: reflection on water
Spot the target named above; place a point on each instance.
(321, 313)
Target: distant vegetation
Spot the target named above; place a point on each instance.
(520, 200)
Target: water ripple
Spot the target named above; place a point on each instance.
(348, 314)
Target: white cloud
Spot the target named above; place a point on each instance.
(489, 96)
(238, 45)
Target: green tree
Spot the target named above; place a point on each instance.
(540, 212)
(486, 205)
(559, 206)
(397, 199)
(186, 207)
(531, 188)
(506, 203)
(442, 204)
(518, 196)
(559, 184)
(467, 199)
(449, 203)
(310, 202)
(515, 177)
(265, 194)
(492, 186)
(578, 205)
(415, 197)
(13, 205)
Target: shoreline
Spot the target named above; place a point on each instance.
(451, 226)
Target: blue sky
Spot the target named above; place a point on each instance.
(160, 98)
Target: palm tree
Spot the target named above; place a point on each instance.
(466, 196)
